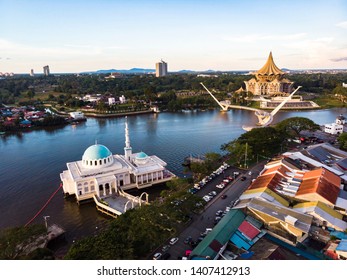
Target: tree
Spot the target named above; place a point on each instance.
(30, 93)
(293, 126)
(264, 140)
(15, 242)
(342, 139)
(237, 151)
(341, 93)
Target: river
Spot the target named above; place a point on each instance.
(32, 161)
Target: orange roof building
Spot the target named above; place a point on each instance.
(269, 80)
(319, 185)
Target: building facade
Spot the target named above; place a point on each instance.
(102, 174)
(161, 69)
(46, 70)
(269, 80)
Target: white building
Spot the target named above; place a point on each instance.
(111, 101)
(122, 99)
(344, 85)
(161, 69)
(340, 119)
(77, 115)
(333, 128)
(46, 71)
(100, 174)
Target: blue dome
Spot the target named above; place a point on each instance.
(141, 155)
(96, 152)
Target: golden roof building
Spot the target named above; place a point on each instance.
(269, 80)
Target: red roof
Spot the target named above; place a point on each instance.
(248, 230)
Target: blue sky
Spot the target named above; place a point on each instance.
(75, 36)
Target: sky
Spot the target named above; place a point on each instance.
(74, 36)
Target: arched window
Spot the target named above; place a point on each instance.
(86, 162)
(91, 163)
(96, 163)
(100, 162)
(105, 161)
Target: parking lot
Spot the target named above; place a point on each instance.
(206, 219)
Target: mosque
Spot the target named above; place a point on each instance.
(104, 177)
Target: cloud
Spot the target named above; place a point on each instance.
(342, 24)
(339, 59)
(261, 37)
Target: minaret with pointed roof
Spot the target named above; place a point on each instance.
(269, 80)
(127, 148)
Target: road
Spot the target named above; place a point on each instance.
(205, 219)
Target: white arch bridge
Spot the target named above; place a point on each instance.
(264, 118)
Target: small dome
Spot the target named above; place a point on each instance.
(141, 155)
(96, 152)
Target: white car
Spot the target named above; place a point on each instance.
(206, 198)
(157, 256)
(173, 240)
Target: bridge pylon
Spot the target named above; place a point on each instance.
(224, 107)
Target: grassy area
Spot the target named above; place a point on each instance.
(43, 96)
(328, 101)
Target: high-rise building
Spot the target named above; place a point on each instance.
(32, 73)
(46, 70)
(161, 69)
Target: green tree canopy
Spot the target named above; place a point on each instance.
(342, 139)
(293, 126)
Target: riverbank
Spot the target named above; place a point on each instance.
(94, 114)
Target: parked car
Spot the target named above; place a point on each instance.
(219, 212)
(188, 240)
(173, 240)
(165, 248)
(166, 256)
(157, 256)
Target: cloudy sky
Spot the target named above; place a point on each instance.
(75, 35)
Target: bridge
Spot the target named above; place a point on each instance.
(264, 118)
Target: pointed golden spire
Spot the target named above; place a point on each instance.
(269, 68)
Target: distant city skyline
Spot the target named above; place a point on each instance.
(80, 36)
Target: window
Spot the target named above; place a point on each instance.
(96, 163)
(86, 189)
(100, 162)
(92, 188)
(105, 161)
